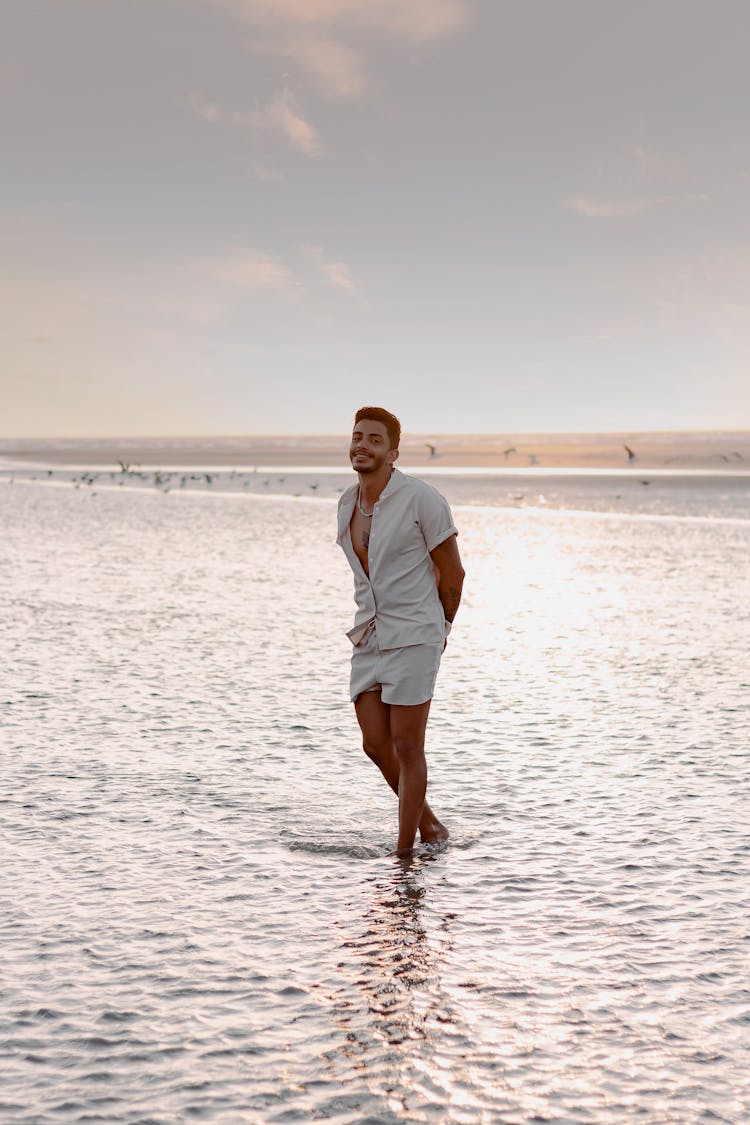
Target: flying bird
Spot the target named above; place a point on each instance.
(432, 449)
(629, 451)
(510, 449)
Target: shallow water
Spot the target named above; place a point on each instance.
(200, 917)
(660, 492)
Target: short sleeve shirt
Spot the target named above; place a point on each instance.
(409, 520)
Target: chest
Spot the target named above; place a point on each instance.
(359, 529)
(400, 544)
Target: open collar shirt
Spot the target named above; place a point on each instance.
(400, 594)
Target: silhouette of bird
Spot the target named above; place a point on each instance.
(432, 448)
(738, 455)
(629, 451)
(510, 449)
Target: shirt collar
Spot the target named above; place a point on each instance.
(396, 481)
(349, 498)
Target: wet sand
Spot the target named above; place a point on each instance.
(719, 450)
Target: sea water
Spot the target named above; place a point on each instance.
(201, 918)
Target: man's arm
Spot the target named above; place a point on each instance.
(449, 575)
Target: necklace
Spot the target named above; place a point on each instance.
(362, 512)
(367, 515)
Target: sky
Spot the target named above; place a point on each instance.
(255, 216)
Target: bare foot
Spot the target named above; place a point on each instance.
(406, 857)
(434, 833)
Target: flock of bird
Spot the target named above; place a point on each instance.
(165, 480)
(631, 455)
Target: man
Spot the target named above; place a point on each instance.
(398, 535)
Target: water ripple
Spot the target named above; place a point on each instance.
(202, 918)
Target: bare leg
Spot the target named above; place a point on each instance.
(374, 718)
(408, 725)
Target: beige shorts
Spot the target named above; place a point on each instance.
(404, 676)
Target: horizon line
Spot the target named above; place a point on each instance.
(338, 434)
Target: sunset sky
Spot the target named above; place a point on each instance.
(238, 216)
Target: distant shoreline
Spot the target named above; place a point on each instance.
(717, 450)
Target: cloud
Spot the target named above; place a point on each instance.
(613, 208)
(650, 164)
(207, 110)
(258, 271)
(338, 68)
(335, 274)
(415, 19)
(282, 115)
(279, 117)
(633, 180)
(710, 291)
(624, 208)
(310, 269)
(316, 34)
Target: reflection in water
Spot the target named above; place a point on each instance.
(402, 967)
(398, 1022)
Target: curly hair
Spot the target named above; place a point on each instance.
(390, 421)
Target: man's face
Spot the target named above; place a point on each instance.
(369, 449)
